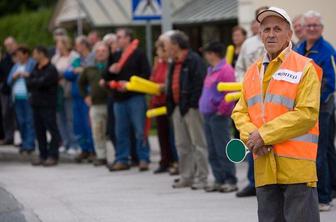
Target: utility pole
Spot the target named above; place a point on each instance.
(149, 41)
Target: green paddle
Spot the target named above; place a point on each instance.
(236, 151)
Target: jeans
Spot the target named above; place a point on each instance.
(130, 114)
(81, 125)
(45, 121)
(24, 116)
(111, 120)
(287, 203)
(65, 124)
(250, 170)
(323, 168)
(217, 133)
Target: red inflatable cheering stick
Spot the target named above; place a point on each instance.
(126, 54)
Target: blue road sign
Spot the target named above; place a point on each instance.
(146, 9)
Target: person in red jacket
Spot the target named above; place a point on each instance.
(164, 129)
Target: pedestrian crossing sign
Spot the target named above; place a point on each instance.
(146, 9)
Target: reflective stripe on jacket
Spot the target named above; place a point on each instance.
(279, 99)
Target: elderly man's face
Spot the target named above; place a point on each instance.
(10, 45)
(313, 28)
(102, 53)
(275, 34)
(168, 46)
(298, 29)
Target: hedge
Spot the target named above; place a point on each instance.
(30, 28)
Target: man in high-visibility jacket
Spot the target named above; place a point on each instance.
(277, 118)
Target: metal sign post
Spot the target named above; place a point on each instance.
(166, 23)
(149, 47)
(147, 10)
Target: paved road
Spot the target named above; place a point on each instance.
(12, 211)
(83, 193)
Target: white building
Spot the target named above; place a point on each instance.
(203, 20)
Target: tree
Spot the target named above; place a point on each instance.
(17, 6)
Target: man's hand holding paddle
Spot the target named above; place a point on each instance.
(256, 144)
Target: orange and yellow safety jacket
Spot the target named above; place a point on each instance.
(282, 103)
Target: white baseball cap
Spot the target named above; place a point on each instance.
(274, 11)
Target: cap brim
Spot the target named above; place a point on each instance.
(262, 15)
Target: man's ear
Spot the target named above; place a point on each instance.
(290, 34)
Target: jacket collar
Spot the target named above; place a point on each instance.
(218, 67)
(184, 56)
(281, 57)
(316, 46)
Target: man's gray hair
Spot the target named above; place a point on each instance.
(313, 14)
(298, 18)
(100, 44)
(110, 37)
(179, 38)
(82, 39)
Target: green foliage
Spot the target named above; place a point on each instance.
(8, 7)
(30, 28)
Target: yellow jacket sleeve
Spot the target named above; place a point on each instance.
(302, 118)
(242, 120)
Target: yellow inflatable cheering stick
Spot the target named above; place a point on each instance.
(156, 112)
(229, 54)
(232, 96)
(229, 86)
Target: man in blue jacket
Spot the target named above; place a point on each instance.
(17, 82)
(82, 128)
(323, 54)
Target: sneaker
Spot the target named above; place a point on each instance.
(118, 167)
(143, 166)
(99, 162)
(200, 185)
(227, 188)
(182, 184)
(50, 162)
(248, 191)
(324, 207)
(18, 145)
(72, 151)
(213, 187)
(62, 149)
